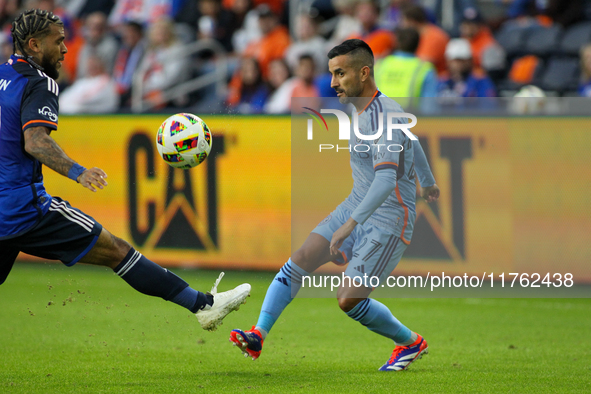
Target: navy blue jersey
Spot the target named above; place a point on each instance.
(28, 98)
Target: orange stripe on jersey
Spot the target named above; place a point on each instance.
(39, 121)
(345, 261)
(22, 60)
(386, 162)
(399, 197)
(344, 256)
(370, 101)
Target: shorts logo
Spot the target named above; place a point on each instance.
(46, 111)
(326, 219)
(363, 242)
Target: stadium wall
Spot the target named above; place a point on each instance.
(513, 194)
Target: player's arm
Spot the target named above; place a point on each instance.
(429, 189)
(40, 145)
(382, 186)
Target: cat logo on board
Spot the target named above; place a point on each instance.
(185, 214)
(432, 237)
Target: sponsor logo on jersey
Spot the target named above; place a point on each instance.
(46, 111)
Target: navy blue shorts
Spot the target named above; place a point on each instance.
(64, 233)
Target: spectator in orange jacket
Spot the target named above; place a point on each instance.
(274, 42)
(304, 82)
(381, 41)
(247, 92)
(486, 52)
(433, 39)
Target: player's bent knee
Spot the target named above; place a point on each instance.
(108, 251)
(305, 260)
(299, 257)
(346, 304)
(312, 254)
(122, 246)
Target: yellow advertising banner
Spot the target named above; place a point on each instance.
(232, 211)
(513, 193)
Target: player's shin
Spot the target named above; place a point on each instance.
(284, 287)
(151, 279)
(378, 318)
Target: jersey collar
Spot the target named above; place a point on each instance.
(376, 94)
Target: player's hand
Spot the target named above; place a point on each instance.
(339, 236)
(93, 177)
(430, 193)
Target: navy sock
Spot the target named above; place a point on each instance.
(151, 279)
(192, 299)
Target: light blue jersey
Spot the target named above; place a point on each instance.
(396, 215)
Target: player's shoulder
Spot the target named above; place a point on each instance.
(37, 79)
(384, 104)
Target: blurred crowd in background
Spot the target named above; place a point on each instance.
(253, 56)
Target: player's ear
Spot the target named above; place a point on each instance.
(34, 45)
(365, 72)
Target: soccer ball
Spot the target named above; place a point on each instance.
(184, 140)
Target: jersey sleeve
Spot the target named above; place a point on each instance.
(40, 104)
(422, 168)
(386, 152)
(382, 186)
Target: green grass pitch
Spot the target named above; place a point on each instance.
(83, 329)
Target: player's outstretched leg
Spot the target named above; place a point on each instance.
(410, 346)
(284, 287)
(313, 253)
(149, 278)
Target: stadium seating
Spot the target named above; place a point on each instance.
(575, 37)
(544, 41)
(560, 75)
(513, 40)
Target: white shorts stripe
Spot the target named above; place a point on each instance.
(85, 223)
(74, 212)
(69, 217)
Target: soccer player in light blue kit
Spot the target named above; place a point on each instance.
(371, 229)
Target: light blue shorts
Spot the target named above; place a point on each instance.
(368, 250)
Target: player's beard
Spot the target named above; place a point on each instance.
(50, 68)
(350, 94)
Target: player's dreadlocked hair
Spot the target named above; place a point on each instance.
(32, 24)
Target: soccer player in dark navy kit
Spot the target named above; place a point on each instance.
(32, 221)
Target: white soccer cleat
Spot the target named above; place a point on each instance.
(211, 317)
